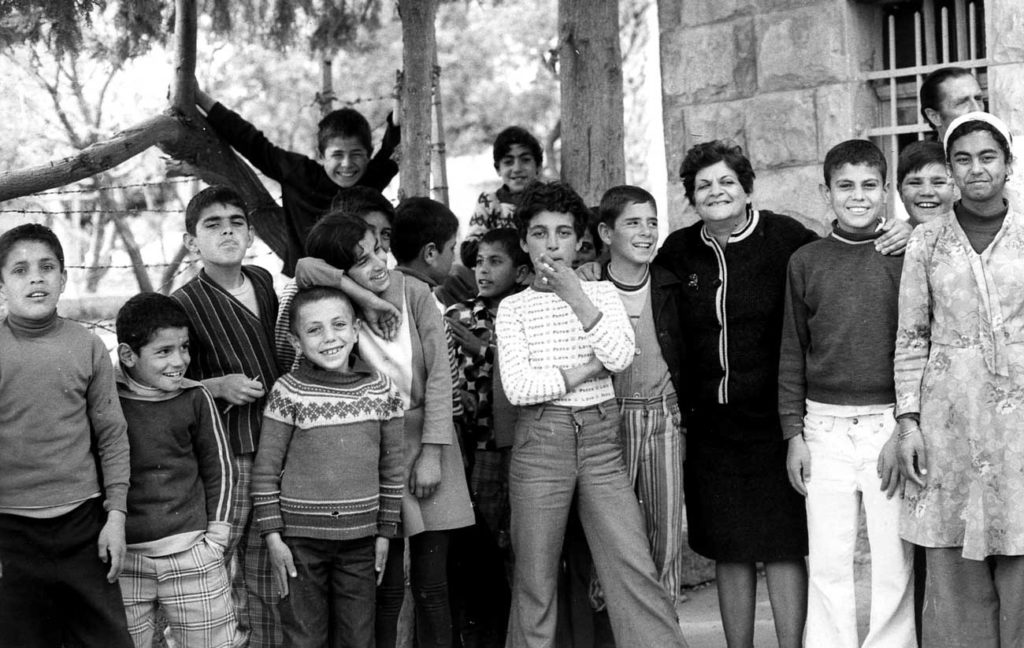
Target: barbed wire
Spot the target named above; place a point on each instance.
(92, 211)
(133, 185)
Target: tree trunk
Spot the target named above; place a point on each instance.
(590, 69)
(418, 53)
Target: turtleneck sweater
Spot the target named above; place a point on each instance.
(980, 230)
(58, 406)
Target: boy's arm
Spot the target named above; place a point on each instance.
(275, 437)
(283, 348)
(381, 169)
(612, 338)
(391, 467)
(216, 467)
(793, 354)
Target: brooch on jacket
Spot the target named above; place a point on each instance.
(692, 285)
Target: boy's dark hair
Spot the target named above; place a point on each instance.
(917, 156)
(508, 239)
(706, 154)
(517, 135)
(344, 122)
(309, 296)
(212, 195)
(30, 232)
(360, 201)
(554, 197)
(854, 152)
(144, 315)
(931, 94)
(616, 199)
(468, 250)
(419, 221)
(974, 126)
(334, 239)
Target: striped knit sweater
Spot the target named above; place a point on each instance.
(330, 462)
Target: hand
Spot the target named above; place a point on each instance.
(111, 544)
(381, 316)
(237, 389)
(472, 344)
(203, 100)
(425, 476)
(798, 464)
(913, 458)
(889, 466)
(380, 557)
(559, 277)
(590, 271)
(281, 563)
(895, 235)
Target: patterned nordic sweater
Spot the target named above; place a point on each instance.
(330, 462)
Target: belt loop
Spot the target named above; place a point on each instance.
(622, 406)
(540, 411)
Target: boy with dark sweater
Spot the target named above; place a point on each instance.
(63, 462)
(179, 500)
(836, 396)
(308, 186)
(329, 477)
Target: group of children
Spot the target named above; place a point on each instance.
(255, 467)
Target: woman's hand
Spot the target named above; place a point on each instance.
(889, 466)
(913, 457)
(281, 563)
(798, 464)
(895, 234)
(425, 476)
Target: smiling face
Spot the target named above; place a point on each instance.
(856, 193)
(496, 272)
(31, 280)
(553, 234)
(325, 332)
(222, 237)
(344, 160)
(634, 237)
(718, 196)
(370, 269)
(381, 227)
(161, 362)
(517, 168)
(979, 169)
(927, 192)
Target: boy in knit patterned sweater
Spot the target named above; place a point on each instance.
(836, 397)
(327, 484)
(63, 462)
(183, 475)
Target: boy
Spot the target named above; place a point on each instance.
(836, 396)
(923, 180)
(232, 309)
(518, 159)
(329, 477)
(179, 499)
(423, 240)
(64, 464)
(557, 340)
(652, 439)
(307, 186)
(500, 268)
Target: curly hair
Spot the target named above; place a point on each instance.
(705, 154)
(553, 197)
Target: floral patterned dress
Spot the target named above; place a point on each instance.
(960, 364)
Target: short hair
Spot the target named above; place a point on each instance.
(917, 156)
(343, 122)
(615, 200)
(360, 201)
(507, 239)
(974, 126)
(419, 221)
(142, 317)
(705, 154)
(311, 295)
(335, 237)
(931, 88)
(30, 232)
(854, 152)
(553, 197)
(212, 195)
(513, 135)
(468, 250)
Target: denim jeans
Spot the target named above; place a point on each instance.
(559, 451)
(331, 600)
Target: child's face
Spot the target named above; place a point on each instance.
(327, 331)
(553, 234)
(32, 280)
(856, 193)
(517, 168)
(496, 272)
(979, 167)
(587, 251)
(378, 222)
(344, 159)
(634, 237)
(927, 192)
(440, 261)
(371, 268)
(162, 361)
(222, 237)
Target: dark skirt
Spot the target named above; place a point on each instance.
(740, 506)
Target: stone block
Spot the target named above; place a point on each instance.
(725, 120)
(801, 48)
(767, 6)
(669, 14)
(702, 12)
(1006, 94)
(782, 129)
(680, 211)
(835, 116)
(1004, 33)
(709, 63)
(794, 191)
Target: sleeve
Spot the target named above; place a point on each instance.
(391, 467)
(275, 437)
(286, 357)
(381, 169)
(913, 332)
(109, 430)
(611, 337)
(793, 353)
(216, 463)
(438, 427)
(523, 384)
(463, 360)
(275, 162)
(453, 363)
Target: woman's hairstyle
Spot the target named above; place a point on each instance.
(334, 239)
(706, 154)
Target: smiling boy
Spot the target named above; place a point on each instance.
(518, 159)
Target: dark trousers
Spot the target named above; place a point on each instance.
(330, 602)
(428, 558)
(54, 590)
(478, 587)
